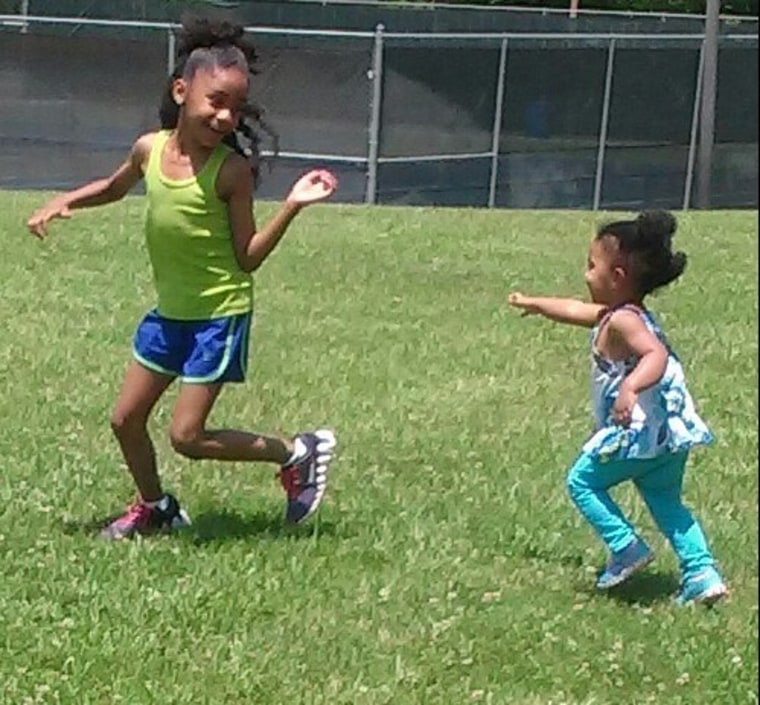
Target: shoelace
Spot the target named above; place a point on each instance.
(137, 514)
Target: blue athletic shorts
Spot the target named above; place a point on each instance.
(199, 352)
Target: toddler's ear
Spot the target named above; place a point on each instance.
(619, 274)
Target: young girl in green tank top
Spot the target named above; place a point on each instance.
(203, 245)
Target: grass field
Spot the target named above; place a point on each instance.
(447, 565)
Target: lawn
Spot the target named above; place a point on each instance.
(447, 565)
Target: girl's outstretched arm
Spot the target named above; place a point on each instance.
(235, 186)
(95, 193)
(572, 311)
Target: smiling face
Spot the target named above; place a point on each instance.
(212, 100)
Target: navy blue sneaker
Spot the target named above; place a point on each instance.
(305, 481)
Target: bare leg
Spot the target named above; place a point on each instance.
(190, 438)
(139, 393)
(305, 478)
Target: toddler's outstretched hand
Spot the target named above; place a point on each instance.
(38, 223)
(524, 303)
(312, 187)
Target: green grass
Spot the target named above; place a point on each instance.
(447, 565)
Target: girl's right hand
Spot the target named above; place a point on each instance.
(38, 223)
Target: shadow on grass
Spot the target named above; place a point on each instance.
(214, 526)
(89, 527)
(222, 525)
(645, 589)
(642, 589)
(543, 555)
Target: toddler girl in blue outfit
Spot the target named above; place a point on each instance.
(645, 419)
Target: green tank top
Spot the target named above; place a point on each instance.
(190, 242)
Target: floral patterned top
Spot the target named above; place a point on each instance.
(664, 419)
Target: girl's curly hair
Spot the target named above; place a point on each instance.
(207, 41)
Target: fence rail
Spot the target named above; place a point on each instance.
(413, 110)
(17, 20)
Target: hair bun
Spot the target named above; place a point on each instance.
(678, 264)
(204, 31)
(656, 225)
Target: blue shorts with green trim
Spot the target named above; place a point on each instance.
(199, 352)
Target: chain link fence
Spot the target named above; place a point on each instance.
(514, 120)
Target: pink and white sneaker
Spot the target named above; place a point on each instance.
(142, 519)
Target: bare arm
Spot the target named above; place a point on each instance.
(235, 186)
(95, 193)
(637, 340)
(630, 336)
(572, 311)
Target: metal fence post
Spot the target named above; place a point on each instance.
(604, 125)
(694, 128)
(497, 123)
(373, 148)
(707, 108)
(24, 13)
(171, 52)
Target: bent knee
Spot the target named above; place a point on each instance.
(186, 440)
(576, 480)
(572, 483)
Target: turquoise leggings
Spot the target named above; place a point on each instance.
(660, 483)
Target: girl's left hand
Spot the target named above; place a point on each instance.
(312, 187)
(622, 410)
